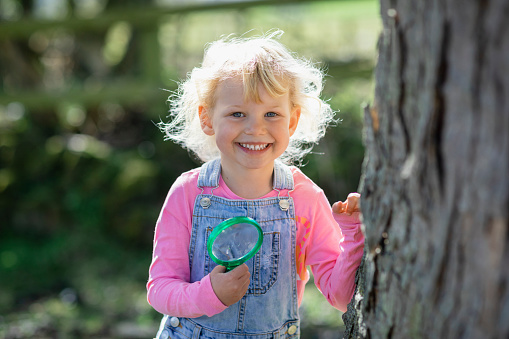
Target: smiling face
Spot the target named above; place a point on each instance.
(249, 134)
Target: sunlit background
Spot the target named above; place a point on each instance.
(84, 170)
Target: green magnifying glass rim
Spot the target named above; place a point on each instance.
(230, 264)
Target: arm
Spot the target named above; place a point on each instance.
(335, 252)
(168, 287)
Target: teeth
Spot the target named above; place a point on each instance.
(255, 147)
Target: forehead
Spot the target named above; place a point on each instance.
(233, 91)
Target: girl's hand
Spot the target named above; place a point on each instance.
(351, 205)
(231, 286)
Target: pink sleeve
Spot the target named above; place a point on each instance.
(335, 253)
(169, 290)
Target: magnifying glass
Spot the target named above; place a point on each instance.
(234, 241)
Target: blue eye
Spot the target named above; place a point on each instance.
(270, 114)
(238, 114)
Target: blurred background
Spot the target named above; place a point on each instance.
(84, 170)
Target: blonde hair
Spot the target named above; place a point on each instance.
(257, 60)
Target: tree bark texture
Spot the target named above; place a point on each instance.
(435, 187)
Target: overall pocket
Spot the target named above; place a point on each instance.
(264, 266)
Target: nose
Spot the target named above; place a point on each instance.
(255, 126)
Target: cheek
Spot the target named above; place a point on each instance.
(223, 137)
(285, 131)
(283, 135)
(286, 142)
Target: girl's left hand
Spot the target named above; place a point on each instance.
(351, 205)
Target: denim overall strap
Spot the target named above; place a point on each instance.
(210, 173)
(283, 178)
(269, 309)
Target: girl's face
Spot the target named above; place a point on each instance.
(249, 135)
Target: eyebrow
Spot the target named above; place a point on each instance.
(242, 106)
(233, 107)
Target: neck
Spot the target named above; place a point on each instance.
(249, 184)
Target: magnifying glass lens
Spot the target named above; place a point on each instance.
(235, 241)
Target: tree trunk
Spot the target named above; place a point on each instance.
(435, 187)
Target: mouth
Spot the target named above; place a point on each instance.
(254, 147)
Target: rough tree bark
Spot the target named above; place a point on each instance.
(435, 187)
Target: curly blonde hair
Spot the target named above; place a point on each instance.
(256, 60)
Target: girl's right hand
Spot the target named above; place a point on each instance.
(231, 286)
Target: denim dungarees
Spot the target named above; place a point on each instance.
(270, 307)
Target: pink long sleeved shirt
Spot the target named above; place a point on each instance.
(333, 253)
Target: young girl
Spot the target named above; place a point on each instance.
(251, 108)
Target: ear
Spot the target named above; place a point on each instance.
(294, 119)
(205, 120)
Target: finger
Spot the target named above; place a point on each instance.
(219, 269)
(353, 203)
(353, 198)
(338, 207)
(245, 285)
(335, 207)
(245, 280)
(239, 271)
(351, 206)
(246, 275)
